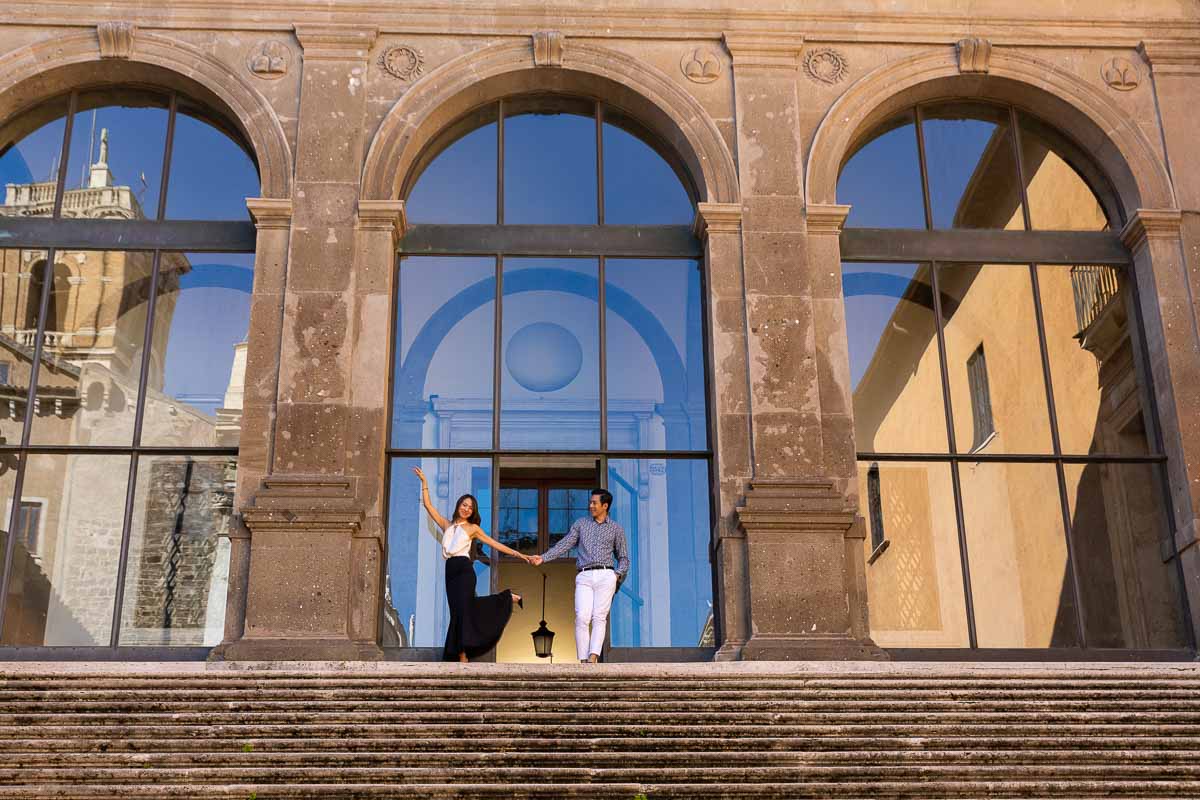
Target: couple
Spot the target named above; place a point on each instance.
(476, 623)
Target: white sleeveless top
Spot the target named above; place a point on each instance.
(455, 542)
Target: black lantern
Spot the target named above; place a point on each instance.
(543, 637)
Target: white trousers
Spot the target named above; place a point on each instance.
(594, 590)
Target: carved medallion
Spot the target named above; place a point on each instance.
(1121, 74)
(825, 65)
(700, 65)
(403, 62)
(270, 59)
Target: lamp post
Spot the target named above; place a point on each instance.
(543, 637)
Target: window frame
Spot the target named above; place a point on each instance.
(157, 235)
(599, 241)
(938, 249)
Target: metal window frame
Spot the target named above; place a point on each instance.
(1029, 249)
(154, 236)
(600, 242)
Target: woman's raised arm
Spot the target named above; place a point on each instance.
(441, 521)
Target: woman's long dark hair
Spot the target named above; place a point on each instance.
(474, 518)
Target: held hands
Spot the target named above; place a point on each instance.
(535, 560)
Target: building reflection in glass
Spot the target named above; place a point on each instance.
(93, 357)
(1023, 522)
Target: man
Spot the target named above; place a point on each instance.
(598, 539)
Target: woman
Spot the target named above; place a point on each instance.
(476, 623)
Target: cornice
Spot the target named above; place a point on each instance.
(383, 215)
(1172, 58)
(605, 21)
(717, 218)
(333, 42)
(772, 51)
(1151, 223)
(825, 220)
(270, 212)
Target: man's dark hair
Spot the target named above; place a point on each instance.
(605, 497)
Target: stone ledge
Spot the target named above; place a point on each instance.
(728, 669)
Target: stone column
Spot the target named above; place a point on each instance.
(1175, 259)
(718, 225)
(804, 585)
(273, 218)
(1169, 315)
(315, 538)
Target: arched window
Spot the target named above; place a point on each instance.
(124, 306)
(1006, 432)
(549, 339)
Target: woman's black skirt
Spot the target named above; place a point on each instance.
(476, 623)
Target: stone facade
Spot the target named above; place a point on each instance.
(763, 104)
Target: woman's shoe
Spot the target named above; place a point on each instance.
(520, 601)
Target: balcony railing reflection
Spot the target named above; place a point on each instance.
(1093, 287)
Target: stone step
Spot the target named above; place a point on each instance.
(963, 790)
(280, 757)
(404, 693)
(223, 745)
(536, 715)
(548, 772)
(584, 730)
(148, 708)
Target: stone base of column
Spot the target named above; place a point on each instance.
(314, 583)
(297, 650)
(729, 651)
(812, 648)
(804, 584)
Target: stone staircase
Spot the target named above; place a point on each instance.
(616, 731)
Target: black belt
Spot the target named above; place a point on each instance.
(594, 566)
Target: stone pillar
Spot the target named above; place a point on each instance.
(718, 225)
(315, 538)
(804, 583)
(273, 218)
(1169, 316)
(1175, 68)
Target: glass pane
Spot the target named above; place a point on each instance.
(894, 367)
(1131, 598)
(415, 609)
(198, 360)
(559, 498)
(459, 185)
(882, 180)
(656, 397)
(551, 373)
(1018, 556)
(997, 386)
(92, 352)
(972, 166)
(560, 523)
(1097, 383)
(30, 151)
(211, 174)
(178, 573)
(442, 390)
(640, 187)
(63, 590)
(23, 275)
(550, 169)
(666, 599)
(1063, 186)
(914, 583)
(580, 499)
(115, 167)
